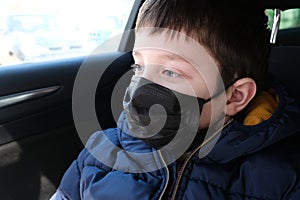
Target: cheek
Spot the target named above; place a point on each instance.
(205, 116)
(200, 88)
(212, 113)
(182, 86)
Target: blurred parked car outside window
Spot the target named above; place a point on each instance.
(289, 18)
(38, 30)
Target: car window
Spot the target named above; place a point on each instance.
(289, 18)
(46, 30)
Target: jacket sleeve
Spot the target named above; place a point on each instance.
(70, 184)
(295, 195)
(69, 187)
(58, 196)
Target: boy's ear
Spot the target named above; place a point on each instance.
(239, 95)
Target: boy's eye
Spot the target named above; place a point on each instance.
(137, 68)
(171, 73)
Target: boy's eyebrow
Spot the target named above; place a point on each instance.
(136, 53)
(174, 57)
(170, 56)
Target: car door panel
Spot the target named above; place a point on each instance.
(38, 139)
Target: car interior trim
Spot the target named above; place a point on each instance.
(275, 27)
(9, 100)
(128, 37)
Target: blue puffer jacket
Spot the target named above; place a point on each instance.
(248, 162)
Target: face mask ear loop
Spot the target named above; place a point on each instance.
(218, 93)
(228, 86)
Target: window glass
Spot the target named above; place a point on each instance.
(36, 30)
(289, 18)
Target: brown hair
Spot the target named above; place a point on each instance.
(234, 32)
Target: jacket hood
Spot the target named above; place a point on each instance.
(238, 140)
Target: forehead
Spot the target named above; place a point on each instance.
(174, 42)
(178, 45)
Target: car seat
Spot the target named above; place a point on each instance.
(284, 62)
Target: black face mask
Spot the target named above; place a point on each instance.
(155, 113)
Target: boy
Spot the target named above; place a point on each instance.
(186, 132)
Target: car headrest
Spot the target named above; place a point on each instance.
(284, 65)
(280, 4)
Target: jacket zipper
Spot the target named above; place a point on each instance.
(182, 169)
(168, 175)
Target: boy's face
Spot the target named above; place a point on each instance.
(175, 65)
(169, 70)
(173, 72)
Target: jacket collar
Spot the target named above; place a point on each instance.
(237, 139)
